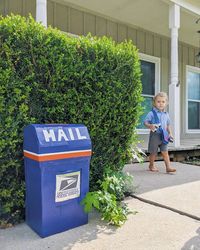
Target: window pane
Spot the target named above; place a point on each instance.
(193, 86)
(147, 104)
(193, 115)
(148, 77)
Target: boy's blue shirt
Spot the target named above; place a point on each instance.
(163, 116)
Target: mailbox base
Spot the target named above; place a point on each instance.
(48, 228)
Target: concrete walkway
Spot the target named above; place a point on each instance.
(152, 228)
(180, 191)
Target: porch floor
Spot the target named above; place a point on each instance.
(188, 148)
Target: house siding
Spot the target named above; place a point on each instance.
(22, 7)
(81, 22)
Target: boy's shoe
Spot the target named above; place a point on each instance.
(170, 170)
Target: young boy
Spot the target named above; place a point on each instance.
(160, 102)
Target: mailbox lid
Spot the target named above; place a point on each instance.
(52, 138)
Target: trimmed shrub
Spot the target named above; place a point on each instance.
(48, 77)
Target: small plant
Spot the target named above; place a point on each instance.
(108, 200)
(137, 154)
(193, 160)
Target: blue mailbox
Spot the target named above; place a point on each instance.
(57, 158)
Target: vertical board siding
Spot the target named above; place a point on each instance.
(101, 26)
(7, 11)
(132, 35)
(141, 41)
(112, 30)
(164, 67)
(15, 7)
(196, 51)
(50, 15)
(149, 44)
(29, 7)
(61, 17)
(121, 33)
(185, 54)
(191, 57)
(179, 59)
(20, 7)
(2, 7)
(180, 69)
(185, 61)
(89, 24)
(157, 46)
(76, 21)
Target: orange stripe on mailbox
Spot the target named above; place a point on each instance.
(57, 156)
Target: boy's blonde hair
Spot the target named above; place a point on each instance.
(160, 94)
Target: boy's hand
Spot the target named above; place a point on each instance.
(152, 127)
(171, 138)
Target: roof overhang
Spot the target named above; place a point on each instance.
(190, 5)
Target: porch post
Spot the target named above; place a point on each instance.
(41, 11)
(174, 87)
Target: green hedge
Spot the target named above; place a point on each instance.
(47, 77)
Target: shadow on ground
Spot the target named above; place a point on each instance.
(22, 237)
(193, 243)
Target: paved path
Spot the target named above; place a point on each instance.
(179, 191)
(152, 228)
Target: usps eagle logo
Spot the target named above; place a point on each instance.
(67, 186)
(69, 182)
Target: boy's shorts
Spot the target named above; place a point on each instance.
(155, 142)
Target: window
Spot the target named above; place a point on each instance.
(150, 67)
(193, 99)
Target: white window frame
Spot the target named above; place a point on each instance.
(195, 70)
(155, 60)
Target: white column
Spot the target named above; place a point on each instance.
(41, 11)
(174, 87)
